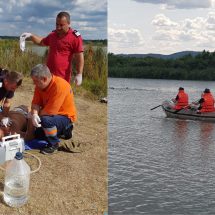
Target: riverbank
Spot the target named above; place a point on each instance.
(69, 183)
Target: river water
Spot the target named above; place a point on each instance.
(157, 165)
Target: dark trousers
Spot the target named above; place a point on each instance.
(52, 128)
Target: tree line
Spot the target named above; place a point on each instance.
(188, 67)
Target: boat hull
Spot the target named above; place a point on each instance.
(188, 114)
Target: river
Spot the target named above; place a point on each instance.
(157, 165)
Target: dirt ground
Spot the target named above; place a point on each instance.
(68, 183)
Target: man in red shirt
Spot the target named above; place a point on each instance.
(65, 45)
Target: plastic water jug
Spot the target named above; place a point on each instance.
(17, 178)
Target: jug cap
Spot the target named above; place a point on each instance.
(19, 156)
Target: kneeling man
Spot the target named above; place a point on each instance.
(53, 109)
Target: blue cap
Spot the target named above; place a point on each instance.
(19, 155)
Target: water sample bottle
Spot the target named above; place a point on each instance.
(17, 178)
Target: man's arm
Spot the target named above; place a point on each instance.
(79, 62)
(201, 100)
(6, 107)
(37, 39)
(35, 109)
(29, 134)
(35, 115)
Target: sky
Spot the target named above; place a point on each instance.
(89, 17)
(160, 26)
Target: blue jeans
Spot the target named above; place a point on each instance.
(52, 127)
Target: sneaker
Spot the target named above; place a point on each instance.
(67, 133)
(49, 149)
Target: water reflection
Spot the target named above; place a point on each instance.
(206, 131)
(180, 130)
(179, 138)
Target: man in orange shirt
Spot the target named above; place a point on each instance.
(53, 110)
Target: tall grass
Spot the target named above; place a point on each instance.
(95, 67)
(13, 58)
(95, 70)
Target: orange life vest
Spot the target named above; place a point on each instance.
(208, 104)
(182, 100)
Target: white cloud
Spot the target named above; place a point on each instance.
(88, 28)
(22, 3)
(83, 23)
(210, 21)
(180, 4)
(196, 23)
(92, 5)
(18, 18)
(32, 19)
(168, 35)
(41, 21)
(50, 3)
(189, 35)
(12, 26)
(162, 21)
(197, 32)
(37, 20)
(16, 3)
(211, 17)
(120, 40)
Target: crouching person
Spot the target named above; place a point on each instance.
(53, 109)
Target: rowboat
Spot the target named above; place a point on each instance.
(186, 113)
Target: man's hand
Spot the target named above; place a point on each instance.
(6, 121)
(36, 120)
(78, 79)
(25, 35)
(22, 40)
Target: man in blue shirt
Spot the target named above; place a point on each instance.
(9, 81)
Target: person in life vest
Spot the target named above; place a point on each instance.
(181, 100)
(206, 102)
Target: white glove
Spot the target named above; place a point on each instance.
(78, 79)
(6, 121)
(22, 40)
(36, 120)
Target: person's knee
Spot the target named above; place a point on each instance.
(46, 122)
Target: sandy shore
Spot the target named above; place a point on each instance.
(68, 183)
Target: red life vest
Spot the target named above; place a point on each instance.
(182, 100)
(208, 104)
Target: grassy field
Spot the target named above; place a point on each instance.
(95, 68)
(74, 182)
(68, 183)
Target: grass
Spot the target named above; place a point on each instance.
(95, 68)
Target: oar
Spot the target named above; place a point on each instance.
(155, 107)
(186, 106)
(182, 108)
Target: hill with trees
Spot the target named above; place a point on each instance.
(188, 67)
(162, 56)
